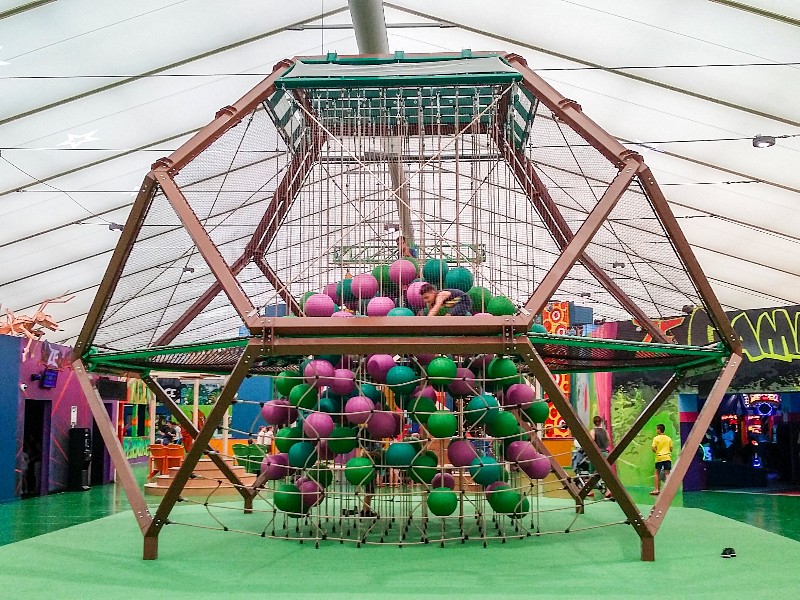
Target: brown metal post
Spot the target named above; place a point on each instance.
(282, 200)
(114, 270)
(686, 254)
(569, 112)
(226, 118)
(559, 229)
(574, 249)
(279, 286)
(545, 378)
(652, 408)
(541, 448)
(187, 424)
(207, 248)
(693, 440)
(109, 434)
(198, 449)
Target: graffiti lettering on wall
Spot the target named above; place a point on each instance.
(134, 447)
(770, 341)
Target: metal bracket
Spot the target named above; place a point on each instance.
(509, 342)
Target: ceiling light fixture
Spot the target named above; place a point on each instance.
(763, 141)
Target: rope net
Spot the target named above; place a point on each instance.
(344, 464)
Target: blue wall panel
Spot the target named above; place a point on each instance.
(9, 413)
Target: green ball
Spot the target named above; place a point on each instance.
(481, 409)
(400, 454)
(485, 470)
(502, 425)
(442, 501)
(459, 278)
(505, 500)
(287, 437)
(321, 474)
(330, 404)
(421, 408)
(441, 371)
(538, 412)
(538, 328)
(287, 498)
(503, 372)
(442, 424)
(402, 380)
(423, 468)
(302, 455)
(286, 380)
(480, 297)
(370, 391)
(435, 271)
(344, 291)
(381, 273)
(303, 396)
(359, 471)
(520, 434)
(400, 311)
(305, 297)
(500, 305)
(491, 496)
(342, 440)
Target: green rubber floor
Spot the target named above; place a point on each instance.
(101, 559)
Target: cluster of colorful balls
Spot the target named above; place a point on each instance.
(394, 290)
(324, 410)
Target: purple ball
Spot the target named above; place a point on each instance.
(402, 272)
(520, 448)
(443, 480)
(426, 391)
(482, 314)
(276, 412)
(344, 382)
(379, 306)
(519, 394)
(378, 366)
(319, 373)
(343, 314)
(482, 360)
(323, 452)
(319, 305)
(464, 384)
(318, 425)
(494, 485)
(364, 285)
(537, 467)
(461, 453)
(330, 291)
(413, 296)
(275, 466)
(382, 424)
(358, 409)
(311, 493)
(424, 359)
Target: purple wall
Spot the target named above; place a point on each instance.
(60, 400)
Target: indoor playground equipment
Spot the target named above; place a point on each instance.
(292, 237)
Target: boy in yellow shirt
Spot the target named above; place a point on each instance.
(662, 446)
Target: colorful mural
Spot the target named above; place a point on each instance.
(555, 318)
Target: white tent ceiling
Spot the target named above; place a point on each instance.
(94, 92)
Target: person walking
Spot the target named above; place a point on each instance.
(662, 446)
(600, 436)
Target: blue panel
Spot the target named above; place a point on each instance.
(246, 416)
(580, 315)
(9, 411)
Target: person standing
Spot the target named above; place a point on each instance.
(602, 439)
(662, 446)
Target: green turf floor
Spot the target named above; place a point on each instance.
(101, 559)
